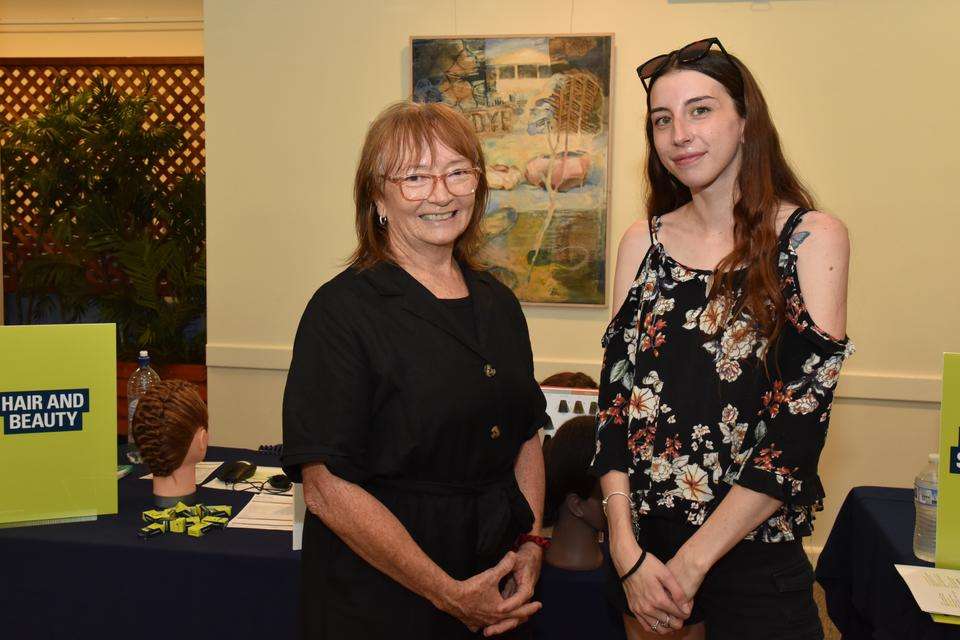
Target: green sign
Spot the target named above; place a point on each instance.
(948, 500)
(58, 405)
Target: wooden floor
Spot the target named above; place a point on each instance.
(830, 632)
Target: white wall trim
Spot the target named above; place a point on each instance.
(249, 356)
(35, 22)
(890, 386)
(862, 385)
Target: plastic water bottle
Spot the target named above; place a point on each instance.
(140, 380)
(925, 501)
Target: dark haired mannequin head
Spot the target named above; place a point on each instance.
(573, 501)
(170, 429)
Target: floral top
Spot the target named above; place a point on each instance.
(688, 408)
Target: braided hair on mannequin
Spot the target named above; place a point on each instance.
(165, 422)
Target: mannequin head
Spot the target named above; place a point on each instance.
(572, 492)
(170, 427)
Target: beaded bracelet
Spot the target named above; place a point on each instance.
(540, 541)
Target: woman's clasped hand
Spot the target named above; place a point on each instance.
(480, 603)
(654, 594)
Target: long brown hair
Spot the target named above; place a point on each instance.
(400, 133)
(764, 182)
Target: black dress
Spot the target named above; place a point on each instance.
(391, 392)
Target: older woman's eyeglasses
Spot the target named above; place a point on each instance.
(420, 186)
(689, 53)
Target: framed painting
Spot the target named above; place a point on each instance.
(541, 106)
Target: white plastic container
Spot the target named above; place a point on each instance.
(140, 380)
(925, 501)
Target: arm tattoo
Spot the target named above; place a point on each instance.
(797, 239)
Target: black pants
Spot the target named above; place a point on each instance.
(758, 590)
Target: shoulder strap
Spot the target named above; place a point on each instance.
(791, 224)
(653, 225)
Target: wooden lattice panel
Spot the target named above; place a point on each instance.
(26, 87)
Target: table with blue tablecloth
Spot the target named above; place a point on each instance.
(866, 597)
(100, 580)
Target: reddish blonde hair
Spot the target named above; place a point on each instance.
(401, 133)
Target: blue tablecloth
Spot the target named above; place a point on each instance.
(866, 597)
(99, 580)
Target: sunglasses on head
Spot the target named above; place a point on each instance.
(692, 52)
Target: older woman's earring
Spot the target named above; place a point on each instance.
(383, 220)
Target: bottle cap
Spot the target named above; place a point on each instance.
(144, 354)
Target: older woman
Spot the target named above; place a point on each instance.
(411, 411)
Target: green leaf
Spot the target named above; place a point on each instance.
(620, 369)
(96, 195)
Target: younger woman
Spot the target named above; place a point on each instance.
(720, 365)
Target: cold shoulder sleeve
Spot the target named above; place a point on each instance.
(795, 403)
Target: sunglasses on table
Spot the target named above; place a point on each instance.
(689, 53)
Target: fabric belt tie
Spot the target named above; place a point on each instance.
(502, 510)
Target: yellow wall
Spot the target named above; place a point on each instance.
(863, 92)
(42, 38)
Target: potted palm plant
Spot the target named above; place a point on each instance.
(125, 240)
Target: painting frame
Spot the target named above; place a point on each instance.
(603, 191)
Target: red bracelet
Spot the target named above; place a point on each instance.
(540, 541)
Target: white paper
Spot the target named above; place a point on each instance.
(266, 511)
(935, 590)
(299, 513)
(203, 469)
(261, 526)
